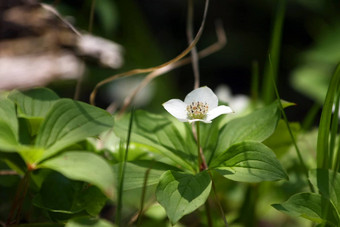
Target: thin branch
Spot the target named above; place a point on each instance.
(151, 69)
(93, 4)
(194, 55)
(221, 42)
(80, 79)
(8, 172)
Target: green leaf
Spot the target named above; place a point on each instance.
(135, 173)
(323, 154)
(93, 199)
(328, 183)
(181, 193)
(69, 122)
(310, 206)
(14, 161)
(209, 138)
(83, 166)
(59, 194)
(8, 126)
(280, 141)
(161, 134)
(35, 102)
(30, 154)
(33, 106)
(249, 162)
(256, 126)
(88, 222)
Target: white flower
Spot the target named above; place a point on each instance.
(239, 103)
(199, 105)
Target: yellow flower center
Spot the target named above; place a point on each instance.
(197, 110)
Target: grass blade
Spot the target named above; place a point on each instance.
(255, 81)
(303, 165)
(122, 173)
(334, 131)
(311, 116)
(323, 152)
(271, 69)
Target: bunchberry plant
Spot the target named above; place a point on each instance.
(183, 163)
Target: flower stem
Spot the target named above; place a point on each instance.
(202, 166)
(199, 158)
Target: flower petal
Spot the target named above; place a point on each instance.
(177, 108)
(202, 94)
(239, 103)
(203, 120)
(212, 114)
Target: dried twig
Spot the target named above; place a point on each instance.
(151, 69)
(221, 42)
(8, 172)
(194, 56)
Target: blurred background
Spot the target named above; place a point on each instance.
(152, 32)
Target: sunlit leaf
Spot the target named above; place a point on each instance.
(8, 126)
(181, 193)
(257, 126)
(249, 162)
(158, 132)
(33, 105)
(35, 102)
(69, 122)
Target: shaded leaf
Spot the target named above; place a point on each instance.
(181, 193)
(58, 194)
(310, 206)
(135, 173)
(280, 141)
(83, 166)
(88, 222)
(328, 183)
(42, 225)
